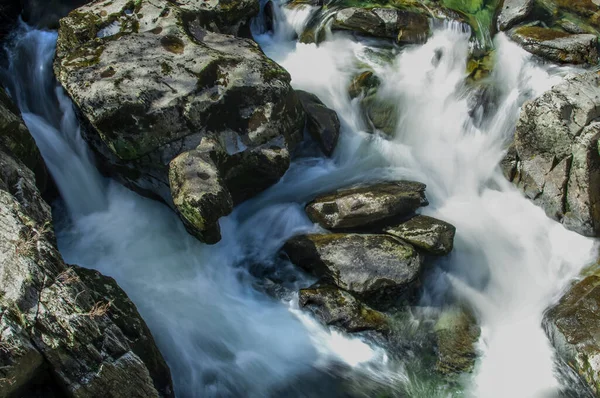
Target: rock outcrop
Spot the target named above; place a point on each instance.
(513, 12)
(427, 233)
(573, 328)
(554, 159)
(63, 330)
(322, 123)
(153, 78)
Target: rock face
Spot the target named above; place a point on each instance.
(427, 233)
(365, 205)
(513, 12)
(153, 78)
(322, 123)
(572, 326)
(557, 46)
(60, 330)
(555, 159)
(336, 307)
(377, 268)
(402, 26)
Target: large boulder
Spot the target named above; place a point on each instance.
(61, 332)
(366, 205)
(554, 159)
(376, 268)
(152, 81)
(557, 46)
(336, 307)
(403, 26)
(322, 123)
(427, 233)
(513, 12)
(573, 328)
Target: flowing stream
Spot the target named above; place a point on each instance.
(208, 307)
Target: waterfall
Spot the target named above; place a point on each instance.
(220, 333)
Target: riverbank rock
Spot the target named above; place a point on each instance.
(554, 159)
(366, 205)
(322, 123)
(57, 334)
(457, 334)
(572, 326)
(376, 268)
(402, 26)
(513, 12)
(336, 307)
(153, 78)
(427, 233)
(556, 45)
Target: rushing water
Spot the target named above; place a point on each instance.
(221, 334)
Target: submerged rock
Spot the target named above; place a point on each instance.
(573, 328)
(363, 84)
(457, 334)
(557, 46)
(555, 156)
(336, 307)
(152, 82)
(366, 205)
(322, 123)
(427, 233)
(513, 12)
(402, 26)
(58, 334)
(377, 268)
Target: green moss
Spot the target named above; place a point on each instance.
(480, 16)
(540, 34)
(166, 68)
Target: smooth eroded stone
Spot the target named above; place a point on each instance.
(377, 268)
(365, 205)
(427, 233)
(322, 123)
(513, 12)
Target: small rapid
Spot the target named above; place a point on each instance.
(208, 307)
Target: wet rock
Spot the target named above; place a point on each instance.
(427, 233)
(336, 307)
(513, 12)
(556, 160)
(400, 25)
(51, 321)
(572, 327)
(151, 82)
(230, 17)
(365, 205)
(364, 83)
(377, 268)
(322, 123)
(457, 334)
(380, 113)
(557, 46)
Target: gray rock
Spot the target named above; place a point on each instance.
(322, 123)
(336, 307)
(153, 82)
(513, 12)
(555, 160)
(400, 25)
(366, 205)
(376, 268)
(427, 233)
(572, 327)
(557, 46)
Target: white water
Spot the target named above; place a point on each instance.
(220, 336)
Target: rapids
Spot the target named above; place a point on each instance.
(209, 307)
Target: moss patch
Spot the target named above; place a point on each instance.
(172, 44)
(540, 34)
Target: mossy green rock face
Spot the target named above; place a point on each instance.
(573, 326)
(322, 123)
(366, 205)
(554, 159)
(457, 334)
(336, 307)
(377, 268)
(153, 78)
(427, 233)
(557, 45)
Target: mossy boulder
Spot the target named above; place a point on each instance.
(378, 269)
(365, 205)
(151, 79)
(557, 45)
(457, 334)
(322, 123)
(573, 328)
(426, 233)
(336, 307)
